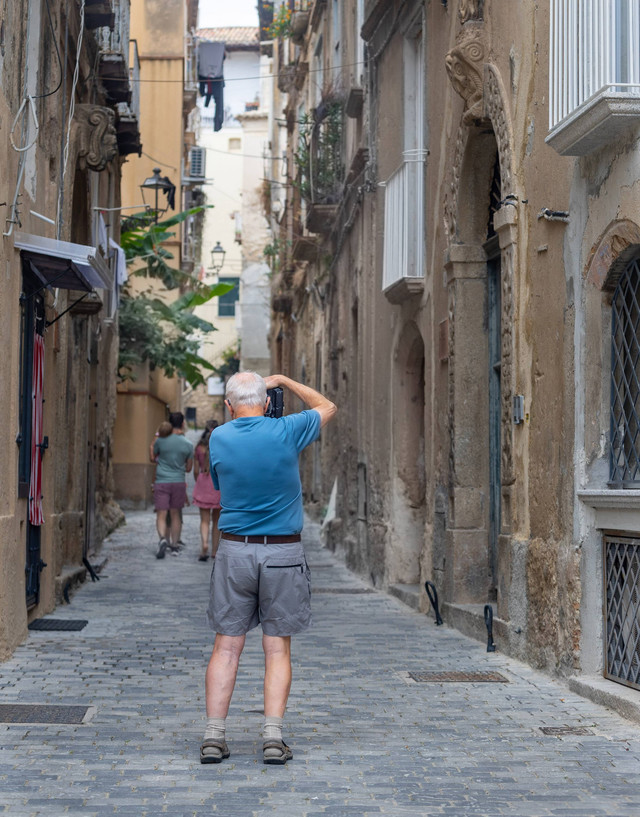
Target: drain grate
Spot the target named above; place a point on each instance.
(41, 713)
(565, 730)
(58, 624)
(343, 590)
(458, 677)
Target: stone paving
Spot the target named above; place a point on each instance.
(367, 742)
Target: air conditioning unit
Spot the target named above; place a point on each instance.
(197, 162)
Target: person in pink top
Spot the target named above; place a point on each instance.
(205, 496)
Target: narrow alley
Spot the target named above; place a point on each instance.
(367, 739)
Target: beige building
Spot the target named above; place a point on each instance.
(70, 113)
(458, 270)
(165, 36)
(235, 157)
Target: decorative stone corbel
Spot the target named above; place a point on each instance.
(464, 65)
(470, 10)
(95, 136)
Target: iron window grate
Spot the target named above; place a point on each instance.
(622, 594)
(458, 677)
(66, 624)
(624, 446)
(42, 713)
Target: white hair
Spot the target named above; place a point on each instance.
(246, 389)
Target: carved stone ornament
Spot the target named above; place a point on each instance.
(95, 136)
(464, 65)
(470, 10)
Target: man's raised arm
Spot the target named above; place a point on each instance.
(310, 397)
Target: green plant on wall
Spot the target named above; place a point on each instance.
(167, 335)
(318, 156)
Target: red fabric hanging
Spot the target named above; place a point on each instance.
(36, 516)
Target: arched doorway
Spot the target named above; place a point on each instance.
(408, 467)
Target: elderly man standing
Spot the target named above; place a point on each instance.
(260, 574)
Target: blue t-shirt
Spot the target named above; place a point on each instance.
(254, 465)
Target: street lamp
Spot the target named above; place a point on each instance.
(155, 183)
(217, 257)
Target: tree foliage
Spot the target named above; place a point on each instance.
(167, 335)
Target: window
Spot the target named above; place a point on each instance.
(624, 450)
(403, 257)
(227, 302)
(594, 72)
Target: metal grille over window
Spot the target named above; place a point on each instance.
(622, 586)
(625, 382)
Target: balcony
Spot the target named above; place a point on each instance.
(113, 45)
(128, 113)
(594, 76)
(403, 259)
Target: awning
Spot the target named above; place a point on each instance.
(64, 265)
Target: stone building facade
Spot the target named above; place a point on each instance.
(164, 31)
(458, 248)
(69, 118)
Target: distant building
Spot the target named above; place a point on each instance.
(233, 146)
(168, 92)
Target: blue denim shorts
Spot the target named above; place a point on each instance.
(262, 584)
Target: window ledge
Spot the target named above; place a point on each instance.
(599, 121)
(616, 509)
(403, 289)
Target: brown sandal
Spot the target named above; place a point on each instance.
(276, 752)
(213, 751)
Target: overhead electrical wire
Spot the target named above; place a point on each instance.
(264, 76)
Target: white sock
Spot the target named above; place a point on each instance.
(272, 728)
(215, 729)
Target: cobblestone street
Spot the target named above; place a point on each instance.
(367, 740)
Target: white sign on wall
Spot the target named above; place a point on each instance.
(215, 386)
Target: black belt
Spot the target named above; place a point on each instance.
(261, 540)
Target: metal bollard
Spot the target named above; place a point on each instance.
(433, 598)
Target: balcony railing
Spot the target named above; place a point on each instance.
(403, 219)
(115, 41)
(594, 76)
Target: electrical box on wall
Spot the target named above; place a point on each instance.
(518, 409)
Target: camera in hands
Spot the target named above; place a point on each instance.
(276, 404)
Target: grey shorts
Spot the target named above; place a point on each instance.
(255, 584)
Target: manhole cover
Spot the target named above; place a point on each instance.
(58, 624)
(565, 730)
(343, 590)
(41, 713)
(458, 677)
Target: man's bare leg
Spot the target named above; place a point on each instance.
(219, 682)
(176, 526)
(221, 674)
(161, 524)
(277, 674)
(277, 683)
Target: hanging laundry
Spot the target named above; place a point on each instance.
(211, 80)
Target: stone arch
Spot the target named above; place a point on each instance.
(484, 134)
(617, 245)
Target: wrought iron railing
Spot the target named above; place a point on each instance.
(134, 79)
(622, 609)
(403, 220)
(594, 49)
(624, 448)
(115, 41)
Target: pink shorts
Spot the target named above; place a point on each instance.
(168, 495)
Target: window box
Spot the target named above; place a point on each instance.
(299, 24)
